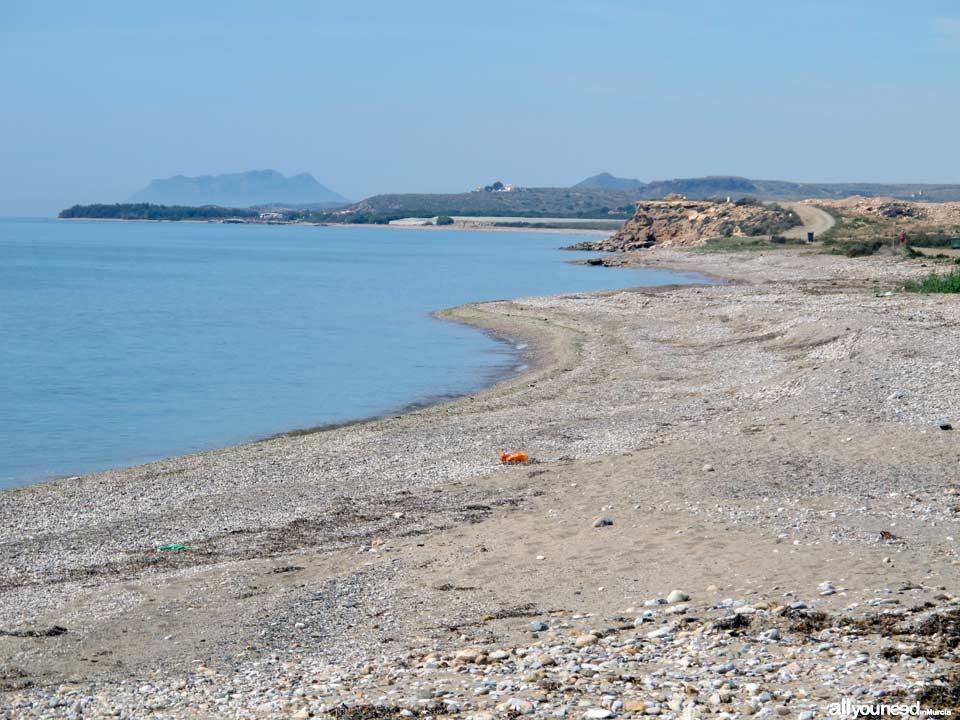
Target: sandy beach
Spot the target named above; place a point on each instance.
(743, 500)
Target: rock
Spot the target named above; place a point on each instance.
(691, 222)
(301, 714)
(807, 715)
(708, 468)
(676, 596)
(598, 714)
(662, 632)
(946, 426)
(602, 522)
(469, 655)
(499, 655)
(538, 626)
(585, 641)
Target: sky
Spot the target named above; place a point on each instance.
(98, 98)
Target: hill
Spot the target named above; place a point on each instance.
(528, 202)
(607, 181)
(256, 187)
(737, 187)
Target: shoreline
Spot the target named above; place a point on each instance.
(534, 356)
(467, 227)
(746, 441)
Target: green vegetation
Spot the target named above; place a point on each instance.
(932, 239)
(935, 283)
(854, 248)
(148, 211)
(596, 203)
(746, 244)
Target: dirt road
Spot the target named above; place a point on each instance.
(813, 218)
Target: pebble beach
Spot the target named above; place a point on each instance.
(742, 499)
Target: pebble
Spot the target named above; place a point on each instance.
(602, 522)
(662, 632)
(676, 596)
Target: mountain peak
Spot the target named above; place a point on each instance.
(254, 187)
(609, 182)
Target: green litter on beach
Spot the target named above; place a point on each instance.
(175, 546)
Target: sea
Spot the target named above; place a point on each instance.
(126, 342)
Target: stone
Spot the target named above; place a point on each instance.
(598, 714)
(602, 522)
(538, 626)
(708, 468)
(676, 596)
(585, 641)
(662, 632)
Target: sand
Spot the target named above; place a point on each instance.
(747, 440)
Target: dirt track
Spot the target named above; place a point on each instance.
(813, 218)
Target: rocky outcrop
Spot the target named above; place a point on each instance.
(692, 222)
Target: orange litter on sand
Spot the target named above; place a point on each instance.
(514, 457)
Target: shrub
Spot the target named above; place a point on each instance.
(863, 248)
(934, 283)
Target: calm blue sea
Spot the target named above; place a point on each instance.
(127, 342)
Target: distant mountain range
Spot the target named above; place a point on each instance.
(246, 189)
(736, 187)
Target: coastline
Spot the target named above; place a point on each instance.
(344, 551)
(468, 227)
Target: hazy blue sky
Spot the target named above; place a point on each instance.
(100, 97)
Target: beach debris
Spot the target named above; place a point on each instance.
(514, 457)
(51, 631)
(174, 547)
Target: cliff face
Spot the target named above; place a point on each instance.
(692, 222)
